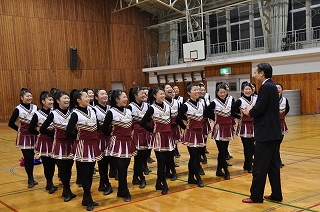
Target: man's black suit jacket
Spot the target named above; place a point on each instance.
(266, 113)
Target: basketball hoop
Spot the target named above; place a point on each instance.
(188, 61)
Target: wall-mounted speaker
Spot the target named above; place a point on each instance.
(73, 58)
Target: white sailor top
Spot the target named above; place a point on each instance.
(121, 123)
(174, 107)
(282, 110)
(86, 124)
(161, 118)
(25, 117)
(195, 115)
(282, 107)
(180, 100)
(137, 115)
(245, 103)
(223, 111)
(101, 113)
(207, 99)
(60, 122)
(42, 117)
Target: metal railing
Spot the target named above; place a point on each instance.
(291, 40)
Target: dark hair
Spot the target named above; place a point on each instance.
(245, 84)
(190, 85)
(57, 96)
(280, 85)
(109, 94)
(266, 68)
(134, 91)
(44, 95)
(23, 91)
(219, 83)
(75, 94)
(253, 84)
(87, 89)
(153, 92)
(255, 87)
(96, 94)
(53, 91)
(221, 86)
(115, 95)
(201, 84)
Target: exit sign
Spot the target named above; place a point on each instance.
(224, 71)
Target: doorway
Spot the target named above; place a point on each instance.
(116, 85)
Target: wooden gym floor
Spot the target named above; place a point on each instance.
(300, 152)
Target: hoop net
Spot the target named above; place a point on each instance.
(188, 61)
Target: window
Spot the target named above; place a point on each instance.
(256, 11)
(213, 20)
(234, 37)
(221, 18)
(244, 13)
(234, 15)
(314, 2)
(296, 4)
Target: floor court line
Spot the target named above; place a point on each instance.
(8, 206)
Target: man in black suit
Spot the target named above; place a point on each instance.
(267, 133)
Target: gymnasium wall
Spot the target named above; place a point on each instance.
(302, 74)
(35, 40)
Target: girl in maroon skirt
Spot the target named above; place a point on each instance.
(44, 142)
(101, 107)
(121, 146)
(193, 133)
(23, 113)
(62, 145)
(85, 148)
(141, 137)
(161, 139)
(284, 109)
(245, 123)
(180, 102)
(206, 124)
(223, 128)
(176, 133)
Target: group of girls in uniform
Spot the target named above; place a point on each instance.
(95, 126)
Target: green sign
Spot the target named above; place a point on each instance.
(224, 71)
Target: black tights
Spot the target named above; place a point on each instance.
(248, 151)
(170, 166)
(65, 167)
(103, 170)
(162, 158)
(194, 162)
(202, 151)
(28, 155)
(48, 168)
(139, 161)
(122, 167)
(78, 181)
(222, 149)
(113, 167)
(86, 172)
